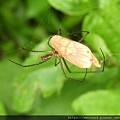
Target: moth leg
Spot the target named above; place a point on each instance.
(61, 64)
(56, 62)
(97, 71)
(83, 36)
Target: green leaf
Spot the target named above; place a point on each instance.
(103, 30)
(61, 104)
(104, 77)
(2, 109)
(73, 7)
(7, 73)
(111, 12)
(25, 95)
(35, 7)
(45, 79)
(100, 102)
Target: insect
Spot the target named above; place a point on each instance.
(76, 53)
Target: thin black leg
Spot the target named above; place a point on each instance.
(56, 62)
(84, 36)
(70, 77)
(28, 65)
(59, 32)
(49, 43)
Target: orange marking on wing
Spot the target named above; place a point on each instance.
(75, 52)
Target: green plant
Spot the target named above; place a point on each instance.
(42, 89)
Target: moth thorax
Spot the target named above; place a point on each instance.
(45, 57)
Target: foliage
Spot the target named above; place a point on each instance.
(43, 90)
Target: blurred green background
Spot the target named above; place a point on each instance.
(43, 90)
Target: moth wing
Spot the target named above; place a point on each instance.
(75, 52)
(79, 56)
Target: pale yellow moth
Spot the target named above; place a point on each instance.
(75, 52)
